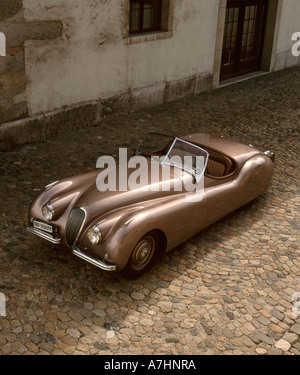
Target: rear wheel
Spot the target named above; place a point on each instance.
(143, 256)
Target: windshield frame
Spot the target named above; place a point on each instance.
(174, 140)
(196, 175)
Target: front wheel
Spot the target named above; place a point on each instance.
(143, 256)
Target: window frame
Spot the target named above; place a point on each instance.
(157, 23)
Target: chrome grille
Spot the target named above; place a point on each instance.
(74, 225)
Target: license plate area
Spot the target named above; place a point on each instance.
(42, 226)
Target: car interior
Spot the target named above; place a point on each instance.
(219, 165)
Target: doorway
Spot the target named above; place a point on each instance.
(245, 26)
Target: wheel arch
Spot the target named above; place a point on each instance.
(160, 241)
(163, 241)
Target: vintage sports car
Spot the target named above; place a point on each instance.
(129, 230)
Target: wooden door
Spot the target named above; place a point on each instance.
(243, 37)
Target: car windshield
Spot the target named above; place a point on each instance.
(174, 152)
(155, 144)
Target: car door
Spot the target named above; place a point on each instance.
(222, 199)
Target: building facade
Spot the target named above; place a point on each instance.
(68, 63)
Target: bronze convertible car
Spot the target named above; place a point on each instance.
(128, 230)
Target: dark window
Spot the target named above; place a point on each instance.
(145, 16)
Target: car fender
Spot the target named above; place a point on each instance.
(255, 177)
(61, 194)
(169, 219)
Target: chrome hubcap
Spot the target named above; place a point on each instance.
(143, 253)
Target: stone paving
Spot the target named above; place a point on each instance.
(228, 290)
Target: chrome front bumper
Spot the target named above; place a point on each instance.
(93, 261)
(76, 251)
(44, 235)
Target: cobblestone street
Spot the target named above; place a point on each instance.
(228, 290)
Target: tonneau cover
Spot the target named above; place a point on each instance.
(239, 152)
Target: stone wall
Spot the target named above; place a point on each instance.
(95, 59)
(13, 103)
(69, 63)
(79, 58)
(13, 78)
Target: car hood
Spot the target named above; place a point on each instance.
(96, 201)
(82, 190)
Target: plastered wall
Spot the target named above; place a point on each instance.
(93, 58)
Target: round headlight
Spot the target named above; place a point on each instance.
(94, 235)
(48, 212)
